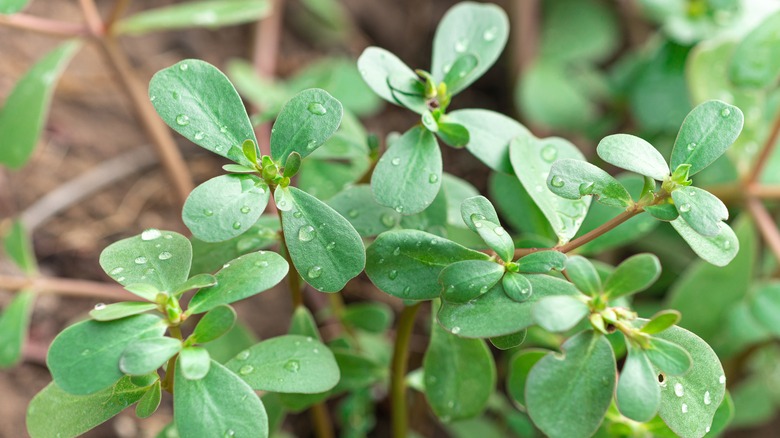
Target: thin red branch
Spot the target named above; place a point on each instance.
(44, 25)
(67, 287)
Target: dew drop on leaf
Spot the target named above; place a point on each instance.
(397, 251)
(140, 260)
(229, 433)
(330, 246)
(685, 208)
(208, 213)
(388, 220)
(117, 270)
(261, 264)
(549, 153)
(100, 306)
(297, 214)
(707, 399)
(679, 391)
(245, 209)
(691, 146)
(306, 233)
(725, 112)
(292, 366)
(353, 213)
(399, 208)
(246, 369)
(392, 274)
(165, 255)
(317, 109)
(455, 330)
(200, 135)
(499, 231)
(722, 379)
(151, 234)
(490, 34)
(684, 408)
(223, 129)
(314, 272)
(182, 120)
(236, 225)
(244, 355)
(395, 161)
(460, 46)
(183, 67)
(586, 188)
(433, 178)
(557, 181)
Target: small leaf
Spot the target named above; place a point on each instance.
(193, 363)
(145, 356)
(241, 278)
(661, 321)
(558, 314)
(573, 179)
(719, 250)
(497, 238)
(408, 176)
(237, 168)
(477, 207)
(196, 282)
(14, 324)
(665, 212)
(638, 394)
(542, 262)
(150, 401)
(634, 154)
(198, 101)
(304, 123)
(373, 317)
(325, 249)
(517, 286)
(103, 312)
(453, 134)
(357, 205)
(292, 164)
(289, 364)
(24, 112)
(18, 246)
(465, 280)
(429, 122)
(489, 135)
(215, 323)
(583, 274)
(509, 341)
(377, 66)
(669, 357)
(755, 59)
(210, 14)
(707, 131)
(250, 150)
(633, 275)
(517, 375)
(700, 209)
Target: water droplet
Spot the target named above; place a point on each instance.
(246, 369)
(395, 161)
(399, 208)
(140, 260)
(182, 120)
(236, 225)
(460, 46)
(116, 271)
(499, 231)
(397, 251)
(165, 255)
(245, 209)
(455, 330)
(447, 68)
(407, 289)
(120, 279)
(223, 129)
(586, 188)
(297, 214)
(684, 408)
(490, 34)
(314, 272)
(100, 306)
(679, 391)
(230, 433)
(549, 153)
(86, 351)
(306, 233)
(691, 146)
(707, 429)
(707, 399)
(183, 67)
(388, 220)
(311, 144)
(218, 148)
(353, 213)
(175, 95)
(722, 379)
(726, 244)
(244, 355)
(685, 208)
(433, 178)
(208, 213)
(557, 181)
(292, 366)
(538, 189)
(725, 112)
(392, 274)
(317, 109)
(451, 404)
(151, 234)
(226, 265)
(330, 246)
(200, 135)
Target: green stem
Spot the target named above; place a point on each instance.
(293, 278)
(167, 383)
(403, 334)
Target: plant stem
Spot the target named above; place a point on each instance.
(766, 151)
(167, 382)
(403, 334)
(293, 278)
(116, 13)
(44, 25)
(320, 417)
(92, 17)
(67, 287)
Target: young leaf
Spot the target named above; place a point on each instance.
(542, 262)
(661, 321)
(459, 375)
(377, 66)
(84, 358)
(756, 60)
(196, 282)
(496, 237)
(638, 394)
(215, 323)
(373, 317)
(585, 376)
(283, 198)
(198, 101)
(465, 280)
(408, 176)
(290, 363)
(666, 211)
(707, 131)
(700, 209)
(477, 207)
(54, 411)
(292, 165)
(669, 357)
(304, 123)
(453, 134)
(194, 363)
(470, 28)
(407, 263)
(14, 323)
(150, 401)
(357, 205)
(241, 278)
(517, 375)
(509, 341)
(489, 135)
(573, 179)
(226, 206)
(110, 312)
(633, 275)
(18, 246)
(517, 286)
(558, 314)
(583, 274)
(145, 356)
(211, 14)
(459, 72)
(159, 258)
(533, 160)
(219, 404)
(324, 247)
(718, 250)
(24, 112)
(634, 154)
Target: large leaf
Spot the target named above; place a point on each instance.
(210, 14)
(700, 209)
(304, 123)
(517, 375)
(219, 404)
(24, 112)
(290, 363)
(56, 413)
(756, 60)
(378, 66)
(634, 154)
(518, 208)
(573, 179)
(198, 101)
(357, 205)
(224, 207)
(568, 396)
(719, 250)
(469, 28)
(159, 258)
(407, 263)
(14, 322)
(532, 160)
(408, 176)
(707, 131)
(84, 358)
(489, 135)
(638, 394)
(324, 247)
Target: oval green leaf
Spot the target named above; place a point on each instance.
(193, 363)
(573, 179)
(215, 323)
(756, 59)
(102, 312)
(304, 123)
(719, 250)
(638, 395)
(517, 286)
(700, 209)
(150, 401)
(210, 14)
(633, 275)
(465, 280)
(14, 324)
(489, 135)
(377, 66)
(145, 356)
(633, 154)
(583, 274)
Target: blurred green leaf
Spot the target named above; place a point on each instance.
(17, 244)
(14, 324)
(211, 14)
(756, 59)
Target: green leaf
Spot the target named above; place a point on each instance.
(542, 262)
(638, 394)
(290, 363)
(509, 341)
(110, 312)
(495, 314)
(668, 357)
(407, 263)
(24, 112)
(661, 321)
(517, 375)
(215, 323)
(723, 416)
(145, 356)
(583, 274)
(219, 404)
(477, 208)
(408, 176)
(707, 131)
(283, 198)
(633, 275)
(303, 323)
(233, 342)
(209, 257)
(84, 358)
(150, 401)
(496, 237)
(532, 160)
(453, 134)
(634, 154)
(14, 324)
(224, 207)
(210, 14)
(573, 179)
(755, 59)
(241, 278)
(196, 282)
(194, 363)
(568, 396)
(357, 205)
(465, 280)
(198, 101)
(765, 305)
(578, 31)
(159, 258)
(324, 247)
(478, 29)
(304, 123)
(719, 250)
(377, 66)
(558, 314)
(373, 317)
(700, 209)
(459, 375)
(459, 72)
(666, 212)
(489, 135)
(18, 246)
(12, 6)
(292, 165)
(517, 286)
(143, 290)
(54, 411)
